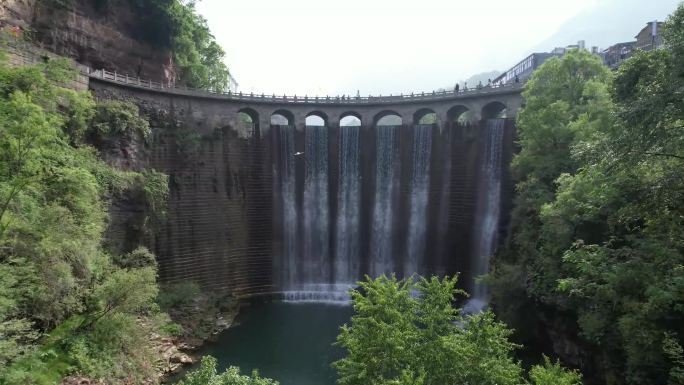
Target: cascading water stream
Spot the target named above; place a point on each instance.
(347, 258)
(286, 178)
(420, 185)
(386, 183)
(317, 266)
(315, 261)
(489, 210)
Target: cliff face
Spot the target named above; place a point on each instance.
(99, 37)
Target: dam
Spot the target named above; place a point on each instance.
(300, 197)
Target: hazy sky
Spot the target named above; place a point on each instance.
(392, 46)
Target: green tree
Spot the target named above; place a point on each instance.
(598, 232)
(567, 100)
(408, 332)
(553, 374)
(206, 374)
(176, 25)
(64, 306)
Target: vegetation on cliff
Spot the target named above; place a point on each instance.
(597, 241)
(174, 24)
(66, 305)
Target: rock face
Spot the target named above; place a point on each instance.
(105, 37)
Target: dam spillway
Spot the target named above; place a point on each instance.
(454, 207)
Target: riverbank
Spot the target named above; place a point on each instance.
(200, 319)
(195, 321)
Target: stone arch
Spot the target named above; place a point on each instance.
(388, 118)
(425, 116)
(494, 110)
(316, 118)
(247, 122)
(460, 114)
(282, 118)
(252, 114)
(350, 118)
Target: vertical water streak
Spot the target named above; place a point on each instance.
(316, 261)
(286, 169)
(420, 185)
(489, 208)
(442, 224)
(383, 210)
(347, 259)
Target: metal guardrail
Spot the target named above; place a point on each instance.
(114, 77)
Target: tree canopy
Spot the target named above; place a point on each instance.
(65, 306)
(406, 332)
(176, 25)
(598, 235)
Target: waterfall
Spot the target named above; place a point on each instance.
(316, 262)
(285, 169)
(383, 209)
(489, 208)
(420, 186)
(316, 265)
(347, 258)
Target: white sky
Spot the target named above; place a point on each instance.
(319, 47)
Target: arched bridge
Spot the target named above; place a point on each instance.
(212, 109)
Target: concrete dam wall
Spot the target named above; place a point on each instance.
(262, 206)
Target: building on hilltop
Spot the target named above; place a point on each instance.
(523, 69)
(649, 37)
(617, 53)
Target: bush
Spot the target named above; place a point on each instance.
(156, 189)
(207, 374)
(172, 329)
(177, 294)
(553, 374)
(140, 257)
(118, 120)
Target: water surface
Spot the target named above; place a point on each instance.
(289, 342)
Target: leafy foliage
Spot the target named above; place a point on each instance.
(138, 258)
(408, 332)
(177, 294)
(597, 234)
(175, 24)
(117, 120)
(206, 374)
(65, 307)
(553, 374)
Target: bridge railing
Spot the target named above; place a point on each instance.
(296, 99)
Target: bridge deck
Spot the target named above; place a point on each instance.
(113, 77)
